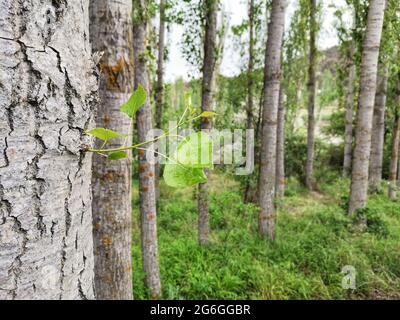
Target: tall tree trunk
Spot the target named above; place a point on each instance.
(394, 157)
(272, 76)
(160, 85)
(146, 169)
(250, 88)
(111, 33)
(378, 130)
(312, 88)
(348, 134)
(209, 64)
(359, 177)
(280, 148)
(48, 93)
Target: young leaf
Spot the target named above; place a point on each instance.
(105, 134)
(137, 99)
(196, 151)
(117, 155)
(178, 176)
(208, 114)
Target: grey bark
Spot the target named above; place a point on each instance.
(280, 148)
(146, 169)
(250, 87)
(312, 88)
(378, 130)
(48, 91)
(111, 33)
(359, 177)
(159, 93)
(272, 74)
(348, 134)
(209, 65)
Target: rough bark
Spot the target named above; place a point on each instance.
(359, 177)
(312, 89)
(159, 94)
(111, 33)
(146, 169)
(378, 130)
(348, 134)
(280, 148)
(394, 157)
(208, 69)
(250, 87)
(48, 86)
(272, 74)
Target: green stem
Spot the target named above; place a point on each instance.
(136, 146)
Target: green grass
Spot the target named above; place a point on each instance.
(314, 240)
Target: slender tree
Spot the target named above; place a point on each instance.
(209, 63)
(272, 80)
(48, 93)
(111, 33)
(280, 148)
(312, 89)
(348, 134)
(359, 178)
(378, 129)
(159, 92)
(146, 169)
(250, 85)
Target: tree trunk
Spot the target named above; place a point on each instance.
(146, 169)
(348, 134)
(394, 157)
(378, 130)
(272, 76)
(48, 87)
(209, 64)
(250, 88)
(111, 33)
(359, 178)
(312, 88)
(280, 148)
(160, 86)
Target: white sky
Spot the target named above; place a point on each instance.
(237, 10)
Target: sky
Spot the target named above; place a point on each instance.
(177, 67)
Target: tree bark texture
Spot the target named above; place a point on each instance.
(348, 134)
(359, 176)
(280, 148)
(378, 130)
(146, 169)
(48, 91)
(111, 33)
(394, 169)
(272, 81)
(209, 64)
(160, 86)
(312, 89)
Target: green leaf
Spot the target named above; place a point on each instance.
(137, 99)
(105, 134)
(208, 114)
(178, 176)
(117, 155)
(195, 151)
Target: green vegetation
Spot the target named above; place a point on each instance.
(315, 240)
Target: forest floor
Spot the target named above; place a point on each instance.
(314, 241)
